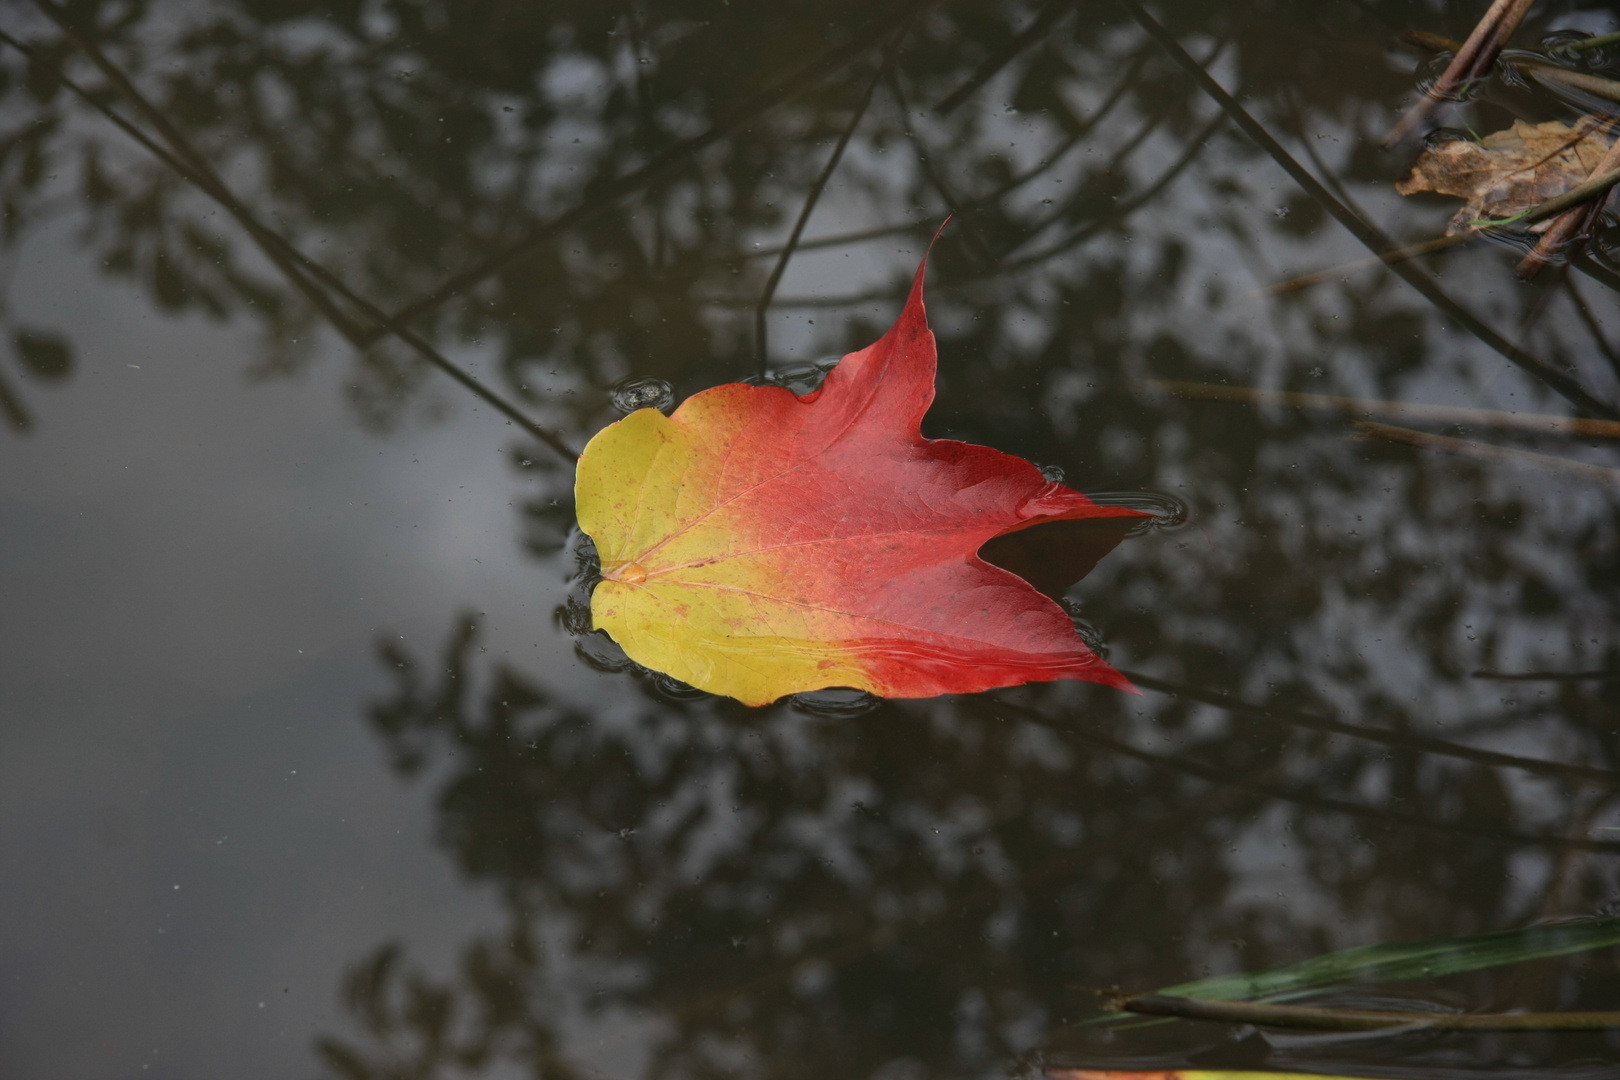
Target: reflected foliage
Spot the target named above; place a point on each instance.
(935, 887)
(922, 887)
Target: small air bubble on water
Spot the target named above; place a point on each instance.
(633, 394)
(1054, 473)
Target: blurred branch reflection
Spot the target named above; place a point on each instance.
(926, 883)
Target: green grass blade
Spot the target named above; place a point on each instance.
(1415, 960)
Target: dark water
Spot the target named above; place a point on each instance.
(306, 768)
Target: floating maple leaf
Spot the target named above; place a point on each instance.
(756, 543)
(1508, 171)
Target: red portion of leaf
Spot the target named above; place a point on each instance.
(832, 512)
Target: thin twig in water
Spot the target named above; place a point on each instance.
(1596, 85)
(1475, 58)
(1312, 1018)
(1423, 39)
(1364, 231)
(814, 194)
(1411, 251)
(1593, 42)
(1590, 320)
(1394, 410)
(1486, 451)
(1567, 234)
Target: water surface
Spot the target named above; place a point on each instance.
(309, 764)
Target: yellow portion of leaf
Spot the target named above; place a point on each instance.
(1508, 171)
(652, 526)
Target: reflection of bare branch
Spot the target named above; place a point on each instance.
(1600, 339)
(1364, 231)
(999, 59)
(199, 171)
(1120, 211)
(1115, 95)
(817, 187)
(925, 159)
(661, 164)
(16, 412)
(190, 165)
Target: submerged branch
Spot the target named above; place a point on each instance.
(1393, 410)
(1486, 451)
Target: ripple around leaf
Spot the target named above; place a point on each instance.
(603, 653)
(1558, 45)
(673, 689)
(1168, 512)
(633, 394)
(1089, 632)
(838, 702)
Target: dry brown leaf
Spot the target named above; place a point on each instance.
(1508, 171)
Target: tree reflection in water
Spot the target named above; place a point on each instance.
(925, 886)
(934, 884)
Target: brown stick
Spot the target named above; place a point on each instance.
(1433, 42)
(1393, 410)
(1496, 42)
(1486, 451)
(1568, 232)
(1476, 56)
(1318, 1019)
